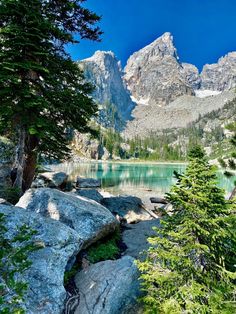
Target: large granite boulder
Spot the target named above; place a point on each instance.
(46, 293)
(109, 287)
(128, 207)
(51, 179)
(89, 219)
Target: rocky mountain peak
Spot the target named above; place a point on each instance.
(164, 45)
(154, 75)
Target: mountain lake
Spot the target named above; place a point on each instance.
(140, 179)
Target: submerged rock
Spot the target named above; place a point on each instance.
(46, 293)
(88, 183)
(89, 219)
(127, 207)
(109, 287)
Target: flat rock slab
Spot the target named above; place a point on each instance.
(109, 287)
(127, 207)
(88, 183)
(135, 237)
(89, 219)
(46, 293)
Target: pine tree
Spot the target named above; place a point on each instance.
(232, 160)
(42, 91)
(190, 266)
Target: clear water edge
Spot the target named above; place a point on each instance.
(138, 178)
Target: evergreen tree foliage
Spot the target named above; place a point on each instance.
(190, 267)
(14, 261)
(42, 90)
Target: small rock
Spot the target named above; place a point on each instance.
(109, 287)
(88, 183)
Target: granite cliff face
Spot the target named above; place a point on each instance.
(103, 70)
(220, 76)
(154, 75)
(157, 91)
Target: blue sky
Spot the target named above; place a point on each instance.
(203, 30)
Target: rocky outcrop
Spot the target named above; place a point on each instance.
(104, 71)
(154, 74)
(86, 147)
(108, 287)
(220, 76)
(46, 293)
(89, 219)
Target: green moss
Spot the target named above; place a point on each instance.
(104, 249)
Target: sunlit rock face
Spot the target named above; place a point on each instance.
(220, 76)
(103, 70)
(154, 74)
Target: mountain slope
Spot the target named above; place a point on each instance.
(178, 114)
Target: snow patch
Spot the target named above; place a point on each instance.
(206, 93)
(141, 101)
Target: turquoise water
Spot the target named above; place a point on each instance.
(132, 178)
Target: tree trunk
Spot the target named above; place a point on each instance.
(30, 161)
(19, 163)
(24, 167)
